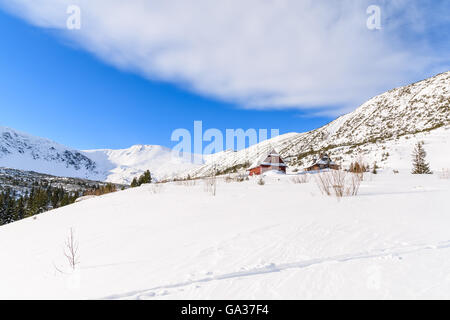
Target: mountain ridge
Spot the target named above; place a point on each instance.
(373, 131)
(421, 107)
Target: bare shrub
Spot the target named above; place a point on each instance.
(359, 167)
(71, 250)
(353, 188)
(444, 174)
(338, 183)
(261, 181)
(186, 183)
(236, 178)
(302, 178)
(211, 185)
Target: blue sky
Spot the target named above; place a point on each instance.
(121, 81)
(51, 89)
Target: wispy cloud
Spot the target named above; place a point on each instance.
(259, 53)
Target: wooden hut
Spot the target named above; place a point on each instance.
(323, 162)
(268, 162)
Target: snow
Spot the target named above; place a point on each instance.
(280, 240)
(22, 151)
(273, 173)
(121, 166)
(84, 198)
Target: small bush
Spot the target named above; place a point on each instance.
(71, 250)
(187, 183)
(211, 185)
(261, 181)
(303, 178)
(359, 167)
(236, 178)
(338, 183)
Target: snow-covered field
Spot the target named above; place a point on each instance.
(278, 241)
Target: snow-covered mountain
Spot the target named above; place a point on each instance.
(121, 166)
(25, 152)
(22, 151)
(384, 129)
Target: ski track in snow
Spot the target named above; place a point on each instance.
(395, 251)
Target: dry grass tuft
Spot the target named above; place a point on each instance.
(338, 183)
(302, 178)
(210, 185)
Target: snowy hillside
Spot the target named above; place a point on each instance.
(276, 241)
(383, 129)
(121, 166)
(25, 152)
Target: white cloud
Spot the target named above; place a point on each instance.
(259, 53)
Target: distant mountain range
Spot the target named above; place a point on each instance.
(25, 152)
(383, 129)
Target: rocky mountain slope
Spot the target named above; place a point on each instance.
(383, 130)
(25, 152)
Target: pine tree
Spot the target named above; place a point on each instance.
(143, 179)
(420, 166)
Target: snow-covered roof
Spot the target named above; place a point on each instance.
(261, 160)
(324, 160)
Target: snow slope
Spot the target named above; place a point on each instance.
(121, 166)
(22, 151)
(173, 241)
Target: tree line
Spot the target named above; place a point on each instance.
(15, 206)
